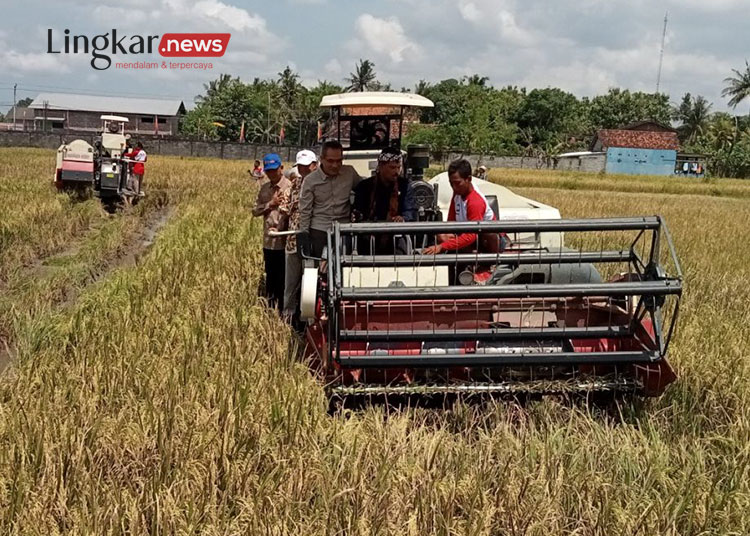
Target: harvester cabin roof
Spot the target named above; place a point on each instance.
(114, 118)
(375, 98)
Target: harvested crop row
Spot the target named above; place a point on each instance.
(32, 296)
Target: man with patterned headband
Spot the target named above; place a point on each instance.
(383, 197)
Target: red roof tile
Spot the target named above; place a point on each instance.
(637, 139)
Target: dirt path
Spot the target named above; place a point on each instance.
(136, 246)
(139, 244)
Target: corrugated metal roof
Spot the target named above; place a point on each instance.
(636, 139)
(103, 104)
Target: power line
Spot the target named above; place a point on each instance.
(74, 91)
(44, 86)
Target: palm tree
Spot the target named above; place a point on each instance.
(739, 86)
(476, 80)
(363, 78)
(216, 87)
(289, 92)
(422, 87)
(289, 87)
(694, 114)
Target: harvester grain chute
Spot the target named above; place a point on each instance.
(583, 305)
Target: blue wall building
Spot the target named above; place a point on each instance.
(641, 161)
(645, 148)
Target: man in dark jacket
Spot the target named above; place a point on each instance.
(383, 197)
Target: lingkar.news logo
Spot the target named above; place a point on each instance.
(171, 45)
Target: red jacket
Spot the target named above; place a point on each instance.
(138, 167)
(474, 208)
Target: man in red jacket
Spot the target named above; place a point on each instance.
(468, 204)
(139, 156)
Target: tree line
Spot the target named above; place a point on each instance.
(473, 116)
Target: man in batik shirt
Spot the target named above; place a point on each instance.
(306, 163)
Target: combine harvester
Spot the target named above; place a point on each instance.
(543, 318)
(101, 168)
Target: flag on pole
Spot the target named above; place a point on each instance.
(320, 130)
(242, 132)
(282, 135)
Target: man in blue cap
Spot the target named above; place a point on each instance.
(267, 205)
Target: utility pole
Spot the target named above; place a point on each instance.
(268, 120)
(661, 52)
(14, 106)
(44, 121)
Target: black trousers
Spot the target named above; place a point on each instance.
(318, 242)
(275, 261)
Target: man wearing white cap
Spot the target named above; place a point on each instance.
(306, 163)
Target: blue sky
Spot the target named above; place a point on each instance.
(583, 46)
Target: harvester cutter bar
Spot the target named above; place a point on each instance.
(495, 359)
(502, 388)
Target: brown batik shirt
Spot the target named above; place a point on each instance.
(289, 208)
(272, 217)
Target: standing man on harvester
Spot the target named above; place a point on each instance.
(138, 155)
(306, 163)
(325, 198)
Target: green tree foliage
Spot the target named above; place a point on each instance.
(363, 78)
(693, 114)
(622, 107)
(549, 120)
(469, 115)
(726, 144)
(473, 116)
(264, 106)
(738, 86)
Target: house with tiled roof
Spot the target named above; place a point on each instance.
(643, 148)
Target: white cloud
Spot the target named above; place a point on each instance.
(333, 67)
(498, 19)
(236, 18)
(18, 62)
(32, 62)
(385, 37)
(584, 46)
(577, 77)
(249, 31)
(125, 16)
(712, 6)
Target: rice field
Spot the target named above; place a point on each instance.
(147, 389)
